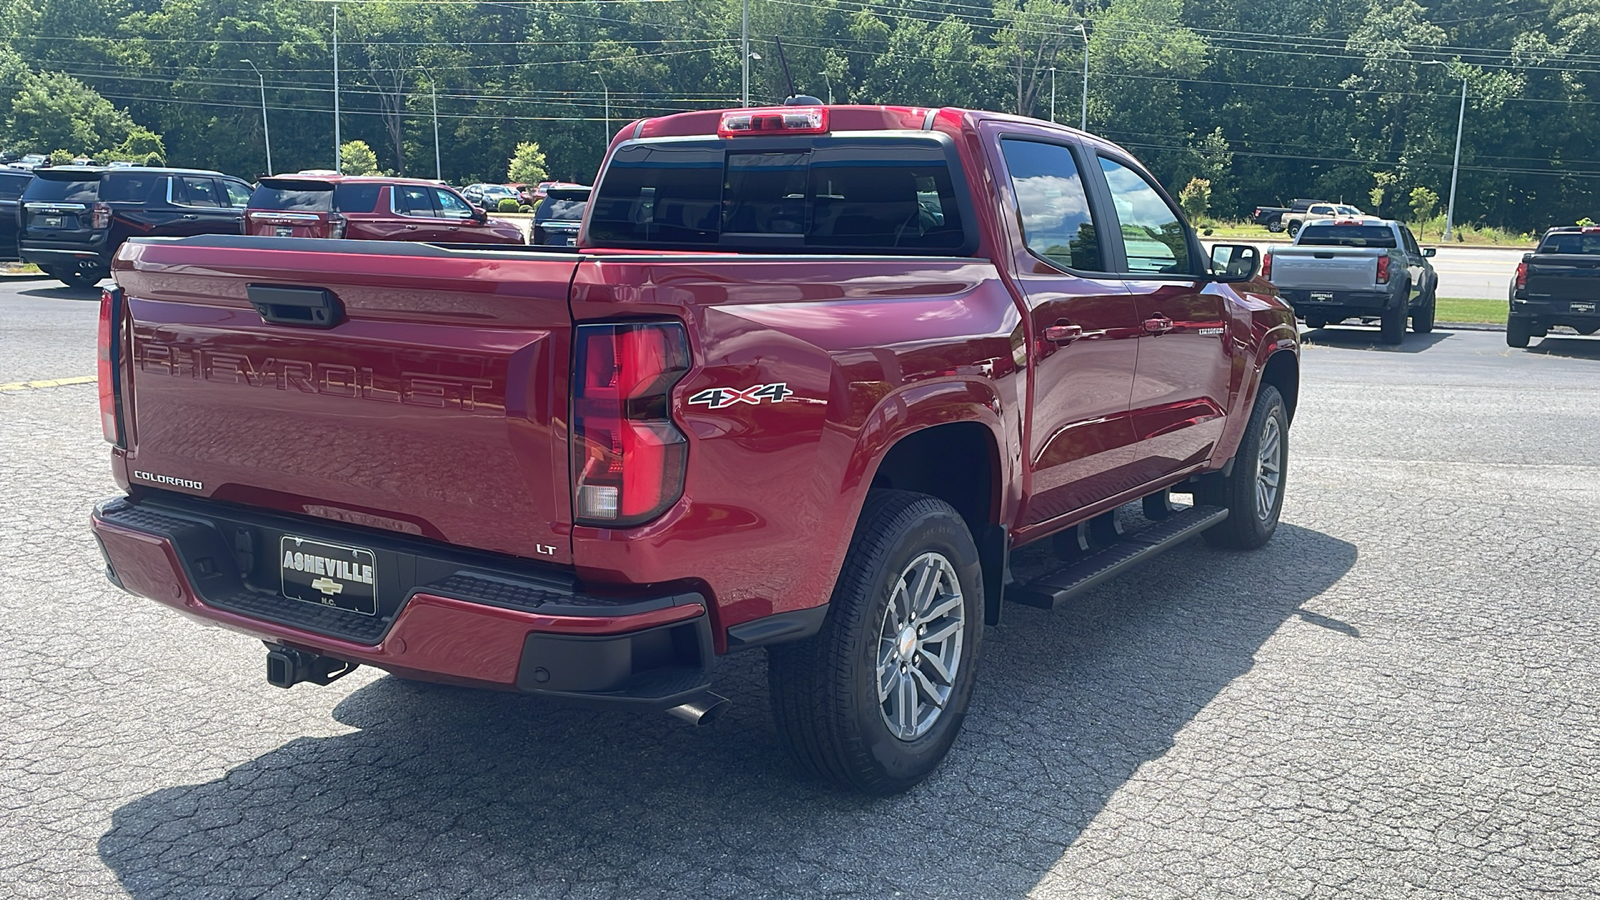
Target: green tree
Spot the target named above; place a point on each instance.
(1195, 198)
(356, 158)
(527, 165)
(1423, 204)
(61, 157)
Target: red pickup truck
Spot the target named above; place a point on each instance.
(808, 379)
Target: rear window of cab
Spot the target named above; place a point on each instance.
(822, 194)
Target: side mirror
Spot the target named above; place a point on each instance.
(1430, 251)
(480, 215)
(1234, 262)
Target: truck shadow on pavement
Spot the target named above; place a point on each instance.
(1570, 347)
(444, 791)
(1356, 337)
(52, 290)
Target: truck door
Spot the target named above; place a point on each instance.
(1081, 340)
(1180, 389)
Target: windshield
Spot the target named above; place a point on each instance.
(285, 196)
(823, 194)
(1346, 236)
(83, 188)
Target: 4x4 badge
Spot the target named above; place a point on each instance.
(717, 398)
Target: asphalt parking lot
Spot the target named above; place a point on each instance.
(1399, 697)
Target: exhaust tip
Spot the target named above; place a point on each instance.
(702, 709)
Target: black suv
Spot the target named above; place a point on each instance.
(12, 183)
(558, 215)
(73, 218)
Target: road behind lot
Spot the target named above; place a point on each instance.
(1400, 696)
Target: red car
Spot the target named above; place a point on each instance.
(808, 377)
(371, 209)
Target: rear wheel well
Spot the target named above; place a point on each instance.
(1283, 372)
(958, 463)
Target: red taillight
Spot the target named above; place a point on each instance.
(102, 215)
(1383, 269)
(337, 225)
(108, 372)
(1266, 266)
(774, 120)
(628, 458)
(1522, 275)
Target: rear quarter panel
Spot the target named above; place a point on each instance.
(873, 349)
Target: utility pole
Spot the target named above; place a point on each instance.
(338, 161)
(1455, 169)
(607, 89)
(266, 133)
(744, 53)
(1052, 95)
(438, 169)
(1083, 115)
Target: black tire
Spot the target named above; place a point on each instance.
(80, 276)
(1422, 317)
(1247, 525)
(825, 690)
(1518, 331)
(1294, 229)
(1392, 327)
(1275, 226)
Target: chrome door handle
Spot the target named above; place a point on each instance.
(190, 216)
(411, 228)
(1063, 334)
(1158, 324)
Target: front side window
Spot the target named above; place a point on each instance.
(1152, 233)
(414, 200)
(451, 206)
(238, 194)
(1053, 206)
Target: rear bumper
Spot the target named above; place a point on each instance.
(461, 618)
(1336, 303)
(1544, 313)
(56, 253)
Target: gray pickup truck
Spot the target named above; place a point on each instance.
(1366, 269)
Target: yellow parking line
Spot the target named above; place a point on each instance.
(46, 383)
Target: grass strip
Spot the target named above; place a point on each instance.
(1456, 309)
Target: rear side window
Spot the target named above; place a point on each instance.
(1571, 243)
(291, 196)
(1346, 236)
(835, 195)
(12, 186)
(64, 190)
(129, 187)
(1052, 204)
(356, 198)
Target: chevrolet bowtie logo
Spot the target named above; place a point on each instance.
(327, 586)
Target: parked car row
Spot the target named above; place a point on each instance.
(70, 220)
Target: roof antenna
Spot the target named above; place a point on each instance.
(793, 99)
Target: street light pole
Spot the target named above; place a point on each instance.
(1052, 95)
(744, 53)
(266, 133)
(433, 86)
(1455, 168)
(338, 161)
(1083, 114)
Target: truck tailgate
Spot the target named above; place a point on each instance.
(1565, 277)
(434, 405)
(1325, 268)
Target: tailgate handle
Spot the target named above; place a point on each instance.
(1323, 255)
(302, 306)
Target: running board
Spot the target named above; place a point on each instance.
(1055, 589)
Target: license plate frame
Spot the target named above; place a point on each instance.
(1322, 296)
(1582, 306)
(337, 576)
(283, 231)
(51, 221)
